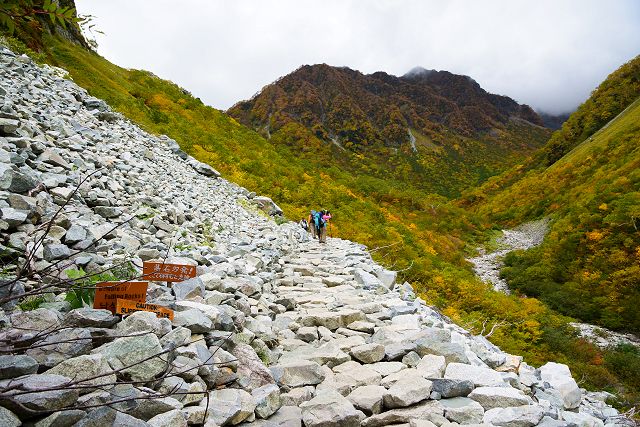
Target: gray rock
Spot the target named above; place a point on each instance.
(94, 368)
(367, 280)
(328, 354)
(230, 406)
(267, 205)
(194, 320)
(430, 410)
(287, 416)
(407, 391)
(145, 409)
(34, 399)
(174, 418)
(53, 158)
(480, 376)
(146, 254)
(519, 416)
(451, 388)
(11, 287)
(8, 126)
(189, 289)
(368, 398)
(75, 234)
(452, 352)
(581, 419)
(177, 337)
(108, 211)
(86, 317)
(368, 353)
(307, 333)
(204, 169)
(56, 251)
(297, 373)
(412, 359)
(61, 418)
(252, 373)
(432, 366)
(106, 416)
(462, 410)
(13, 217)
(387, 277)
(297, 395)
(61, 345)
(499, 397)
(16, 366)
(14, 181)
(267, 399)
(140, 353)
(8, 418)
(329, 409)
(143, 321)
(559, 377)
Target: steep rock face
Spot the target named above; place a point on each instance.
(344, 104)
(266, 287)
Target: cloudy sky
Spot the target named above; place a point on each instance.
(549, 54)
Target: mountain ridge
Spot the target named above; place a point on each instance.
(318, 95)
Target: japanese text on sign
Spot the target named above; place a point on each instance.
(107, 293)
(161, 272)
(127, 307)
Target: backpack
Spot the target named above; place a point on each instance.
(318, 220)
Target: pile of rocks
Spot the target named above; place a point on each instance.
(274, 331)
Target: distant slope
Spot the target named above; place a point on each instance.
(589, 264)
(617, 92)
(440, 131)
(553, 121)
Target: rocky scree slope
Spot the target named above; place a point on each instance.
(274, 331)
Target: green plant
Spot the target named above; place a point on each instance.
(280, 219)
(207, 234)
(18, 46)
(14, 12)
(182, 247)
(31, 302)
(81, 291)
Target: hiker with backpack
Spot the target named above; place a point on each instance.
(321, 223)
(312, 224)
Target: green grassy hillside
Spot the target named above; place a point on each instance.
(619, 90)
(589, 265)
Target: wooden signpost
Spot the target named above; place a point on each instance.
(162, 272)
(127, 307)
(107, 293)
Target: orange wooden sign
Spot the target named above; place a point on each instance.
(162, 272)
(107, 293)
(124, 306)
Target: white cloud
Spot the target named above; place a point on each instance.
(550, 54)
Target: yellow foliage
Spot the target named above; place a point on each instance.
(594, 235)
(160, 101)
(603, 207)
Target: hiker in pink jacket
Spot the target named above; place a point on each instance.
(326, 216)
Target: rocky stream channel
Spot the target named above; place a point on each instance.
(487, 266)
(275, 330)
